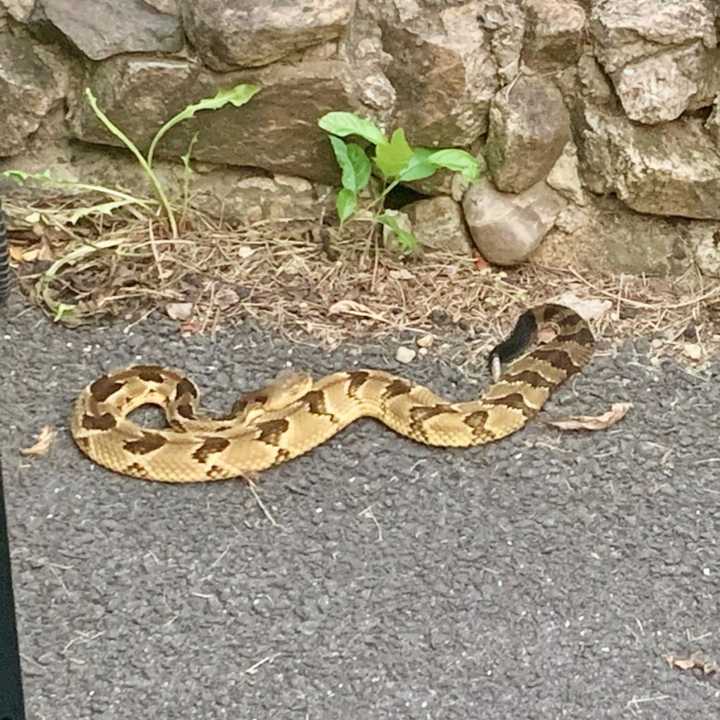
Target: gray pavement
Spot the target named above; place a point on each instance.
(544, 576)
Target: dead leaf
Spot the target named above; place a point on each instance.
(24, 254)
(190, 327)
(693, 351)
(43, 442)
(356, 309)
(17, 253)
(680, 663)
(30, 255)
(39, 251)
(245, 251)
(481, 263)
(179, 311)
(592, 422)
(402, 274)
(349, 307)
(696, 660)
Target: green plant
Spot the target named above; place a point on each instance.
(237, 96)
(393, 162)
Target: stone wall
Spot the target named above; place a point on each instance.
(599, 119)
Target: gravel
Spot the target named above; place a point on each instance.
(544, 576)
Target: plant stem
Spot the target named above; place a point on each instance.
(157, 186)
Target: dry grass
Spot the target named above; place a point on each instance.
(313, 285)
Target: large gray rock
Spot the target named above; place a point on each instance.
(443, 73)
(664, 86)
(625, 32)
(361, 47)
(554, 35)
(507, 228)
(673, 169)
(124, 85)
(707, 253)
(29, 89)
(565, 176)
(231, 34)
(276, 131)
(504, 24)
(238, 195)
(19, 10)
(224, 192)
(529, 126)
(661, 56)
(102, 28)
(438, 224)
(606, 236)
(712, 124)
(592, 86)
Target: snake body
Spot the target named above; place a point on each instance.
(296, 413)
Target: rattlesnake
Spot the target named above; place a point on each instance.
(295, 413)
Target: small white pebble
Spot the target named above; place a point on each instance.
(405, 354)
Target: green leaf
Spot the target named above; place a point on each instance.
(186, 157)
(407, 241)
(418, 166)
(237, 96)
(353, 162)
(64, 312)
(458, 161)
(391, 157)
(346, 202)
(21, 176)
(361, 165)
(346, 123)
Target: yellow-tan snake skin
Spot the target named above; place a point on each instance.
(293, 415)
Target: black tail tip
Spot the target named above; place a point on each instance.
(522, 335)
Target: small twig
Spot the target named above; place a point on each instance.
(266, 512)
(634, 704)
(155, 251)
(649, 306)
(368, 513)
(254, 668)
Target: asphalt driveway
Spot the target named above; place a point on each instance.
(544, 576)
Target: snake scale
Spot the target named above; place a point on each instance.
(295, 413)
